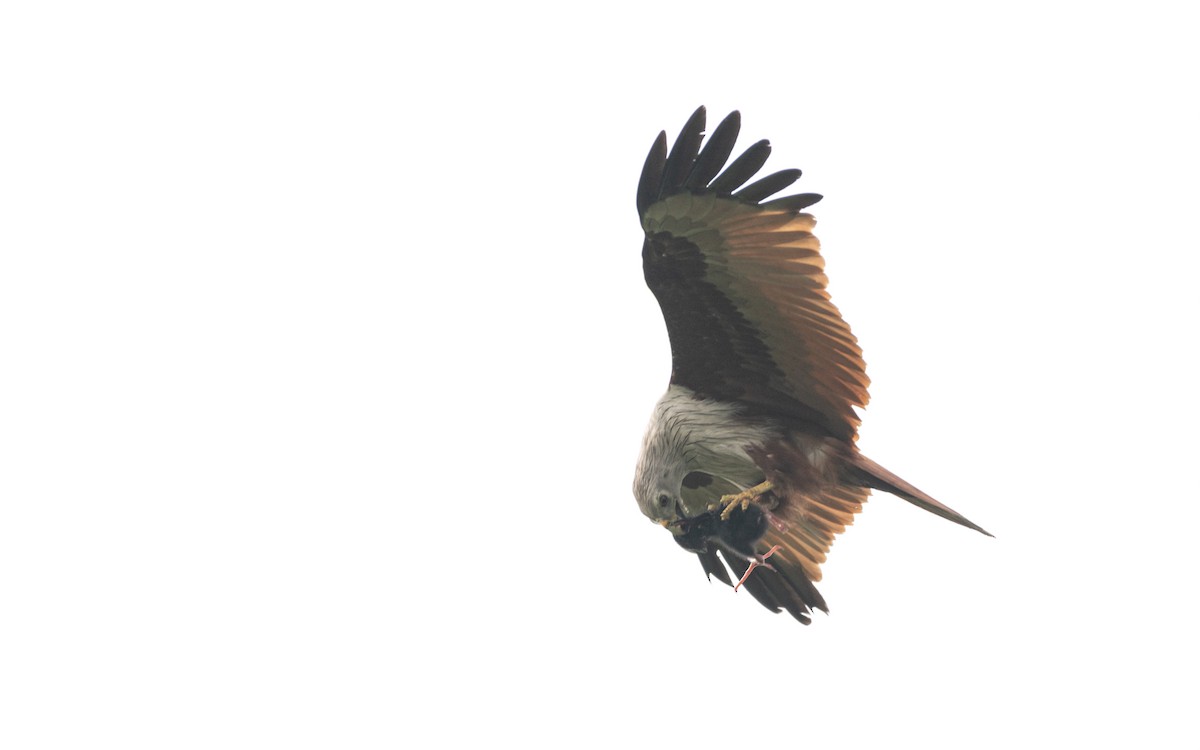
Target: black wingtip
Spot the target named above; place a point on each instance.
(716, 152)
(793, 202)
(650, 184)
(767, 186)
(687, 168)
(684, 151)
(743, 168)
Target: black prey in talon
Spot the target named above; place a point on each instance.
(738, 534)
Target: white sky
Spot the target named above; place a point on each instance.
(327, 356)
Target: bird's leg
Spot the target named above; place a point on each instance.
(743, 499)
(755, 563)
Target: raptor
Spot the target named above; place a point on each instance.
(750, 458)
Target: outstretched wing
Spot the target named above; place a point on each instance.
(741, 283)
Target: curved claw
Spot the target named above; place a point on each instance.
(743, 498)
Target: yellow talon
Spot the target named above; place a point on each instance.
(743, 498)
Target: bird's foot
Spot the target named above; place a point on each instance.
(755, 563)
(742, 499)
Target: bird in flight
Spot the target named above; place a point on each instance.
(750, 458)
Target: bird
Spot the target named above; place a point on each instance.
(750, 458)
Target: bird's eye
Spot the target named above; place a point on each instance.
(664, 501)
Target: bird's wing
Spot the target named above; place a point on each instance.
(741, 283)
(808, 525)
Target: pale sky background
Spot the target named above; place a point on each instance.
(327, 357)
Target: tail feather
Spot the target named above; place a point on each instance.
(876, 477)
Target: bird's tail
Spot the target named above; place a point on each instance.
(872, 475)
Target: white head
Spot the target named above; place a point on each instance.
(658, 480)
